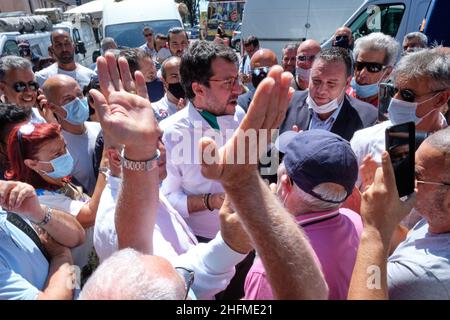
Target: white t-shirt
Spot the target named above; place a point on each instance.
(81, 74)
(163, 54)
(82, 148)
(163, 108)
(61, 202)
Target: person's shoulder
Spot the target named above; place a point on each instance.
(93, 128)
(47, 71)
(83, 69)
(176, 121)
(372, 133)
(361, 106)
(299, 97)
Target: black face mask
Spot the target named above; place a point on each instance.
(258, 75)
(342, 42)
(176, 89)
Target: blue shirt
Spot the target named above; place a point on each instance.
(23, 267)
(317, 123)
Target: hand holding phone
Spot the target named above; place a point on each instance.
(400, 143)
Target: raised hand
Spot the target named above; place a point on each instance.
(21, 198)
(124, 110)
(367, 171)
(381, 207)
(240, 154)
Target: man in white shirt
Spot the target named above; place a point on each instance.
(63, 49)
(209, 76)
(173, 100)
(422, 90)
(65, 99)
(149, 45)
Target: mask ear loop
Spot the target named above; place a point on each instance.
(431, 111)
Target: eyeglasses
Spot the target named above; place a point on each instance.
(148, 34)
(303, 58)
(188, 276)
(21, 86)
(408, 95)
(229, 83)
(433, 183)
(340, 38)
(372, 67)
(261, 71)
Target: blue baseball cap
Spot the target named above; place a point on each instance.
(315, 157)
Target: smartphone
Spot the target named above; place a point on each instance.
(401, 145)
(385, 93)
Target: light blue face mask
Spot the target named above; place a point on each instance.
(403, 111)
(364, 91)
(62, 166)
(77, 111)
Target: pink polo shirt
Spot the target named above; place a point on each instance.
(334, 236)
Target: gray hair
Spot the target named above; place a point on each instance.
(290, 46)
(440, 140)
(432, 64)
(124, 276)
(417, 35)
(8, 63)
(378, 41)
(108, 43)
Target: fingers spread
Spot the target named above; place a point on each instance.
(257, 110)
(104, 78)
(101, 106)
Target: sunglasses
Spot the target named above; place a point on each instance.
(372, 67)
(21, 86)
(148, 34)
(188, 276)
(260, 72)
(340, 38)
(303, 58)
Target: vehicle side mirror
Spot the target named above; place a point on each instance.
(80, 47)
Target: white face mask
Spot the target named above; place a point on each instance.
(303, 74)
(325, 108)
(403, 111)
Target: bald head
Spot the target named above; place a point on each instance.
(130, 275)
(310, 46)
(263, 58)
(57, 86)
(343, 37)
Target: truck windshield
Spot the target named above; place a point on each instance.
(130, 34)
(384, 18)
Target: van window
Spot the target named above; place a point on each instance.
(10, 48)
(76, 35)
(130, 34)
(385, 18)
(36, 50)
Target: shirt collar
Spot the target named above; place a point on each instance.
(307, 218)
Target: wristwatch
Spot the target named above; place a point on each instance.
(47, 217)
(140, 165)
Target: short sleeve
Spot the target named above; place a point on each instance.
(14, 287)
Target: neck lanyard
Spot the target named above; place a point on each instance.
(17, 221)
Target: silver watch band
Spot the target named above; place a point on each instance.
(140, 165)
(47, 217)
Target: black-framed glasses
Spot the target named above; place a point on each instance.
(372, 67)
(303, 58)
(188, 276)
(228, 83)
(21, 86)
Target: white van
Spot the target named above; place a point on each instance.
(80, 29)
(400, 17)
(277, 22)
(124, 20)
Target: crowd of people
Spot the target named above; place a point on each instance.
(178, 170)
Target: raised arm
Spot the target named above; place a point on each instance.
(381, 211)
(281, 244)
(128, 120)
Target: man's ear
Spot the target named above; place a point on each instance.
(286, 185)
(32, 164)
(443, 98)
(198, 89)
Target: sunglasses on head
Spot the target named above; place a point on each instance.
(372, 67)
(21, 86)
(303, 58)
